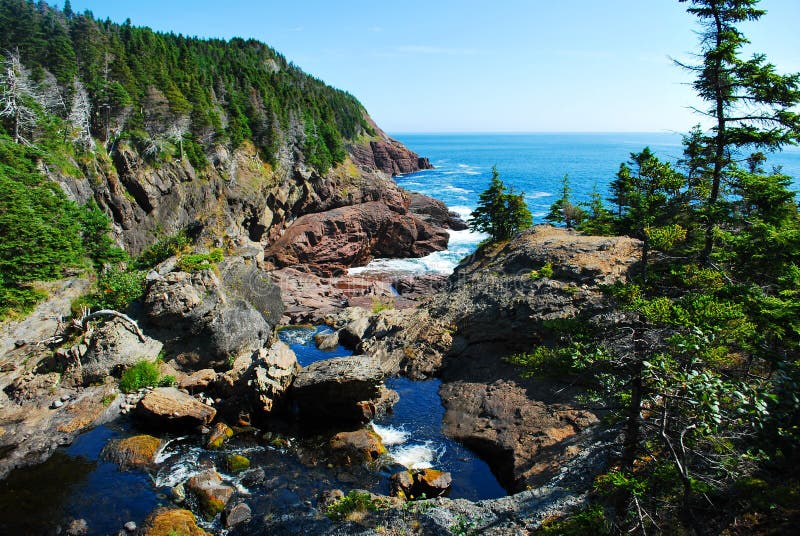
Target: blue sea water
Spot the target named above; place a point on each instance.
(530, 163)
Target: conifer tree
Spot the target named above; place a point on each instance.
(501, 212)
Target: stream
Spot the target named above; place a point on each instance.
(75, 483)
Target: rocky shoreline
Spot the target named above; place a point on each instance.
(227, 376)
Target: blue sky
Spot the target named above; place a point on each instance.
(501, 66)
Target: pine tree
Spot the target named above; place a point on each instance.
(500, 212)
(563, 211)
(750, 104)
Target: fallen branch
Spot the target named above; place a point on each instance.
(87, 317)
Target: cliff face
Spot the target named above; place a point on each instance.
(239, 201)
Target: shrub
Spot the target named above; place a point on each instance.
(116, 289)
(142, 374)
(545, 271)
(200, 261)
(354, 502)
(379, 304)
(168, 381)
(162, 250)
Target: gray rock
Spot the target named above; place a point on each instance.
(236, 514)
(168, 408)
(340, 389)
(275, 369)
(208, 322)
(56, 404)
(130, 526)
(113, 347)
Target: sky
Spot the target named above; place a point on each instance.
(477, 66)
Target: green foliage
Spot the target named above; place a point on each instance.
(563, 211)
(142, 374)
(590, 520)
(353, 502)
(546, 271)
(167, 381)
(200, 261)
(97, 241)
(382, 304)
(116, 289)
(162, 250)
(184, 89)
(500, 213)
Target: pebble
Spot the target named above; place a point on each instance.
(56, 404)
(64, 398)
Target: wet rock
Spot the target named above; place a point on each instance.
(178, 493)
(219, 435)
(338, 390)
(236, 514)
(77, 527)
(435, 212)
(130, 526)
(171, 521)
(416, 484)
(210, 493)
(236, 463)
(253, 477)
(114, 346)
(169, 408)
(132, 452)
(357, 447)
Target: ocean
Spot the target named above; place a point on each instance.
(530, 163)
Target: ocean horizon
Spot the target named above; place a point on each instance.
(530, 162)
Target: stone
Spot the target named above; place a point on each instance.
(113, 347)
(253, 477)
(56, 404)
(171, 521)
(219, 435)
(327, 341)
(236, 514)
(416, 484)
(275, 369)
(132, 452)
(357, 447)
(338, 390)
(236, 463)
(169, 408)
(211, 494)
(197, 381)
(130, 526)
(77, 527)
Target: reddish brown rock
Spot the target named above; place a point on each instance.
(167, 407)
(416, 484)
(330, 242)
(388, 155)
(359, 446)
(209, 491)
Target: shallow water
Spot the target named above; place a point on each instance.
(76, 484)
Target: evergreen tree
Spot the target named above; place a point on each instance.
(563, 211)
(750, 104)
(501, 212)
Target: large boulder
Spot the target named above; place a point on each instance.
(114, 346)
(435, 212)
(275, 369)
(338, 390)
(422, 483)
(207, 321)
(169, 408)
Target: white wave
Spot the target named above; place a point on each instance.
(456, 189)
(390, 435)
(172, 475)
(537, 195)
(462, 211)
(415, 456)
(300, 336)
(539, 214)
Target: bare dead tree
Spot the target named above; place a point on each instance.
(17, 94)
(80, 114)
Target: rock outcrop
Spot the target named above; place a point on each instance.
(168, 521)
(357, 447)
(422, 483)
(330, 242)
(132, 452)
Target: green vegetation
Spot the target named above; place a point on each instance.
(169, 95)
(703, 374)
(545, 271)
(382, 304)
(200, 261)
(143, 374)
(162, 250)
(501, 213)
(354, 503)
(563, 211)
(116, 289)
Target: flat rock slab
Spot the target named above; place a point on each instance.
(167, 407)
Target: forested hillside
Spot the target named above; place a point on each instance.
(112, 81)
